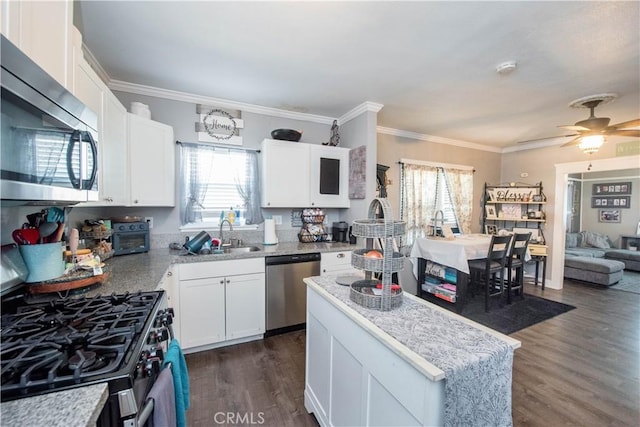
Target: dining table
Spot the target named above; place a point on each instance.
(454, 252)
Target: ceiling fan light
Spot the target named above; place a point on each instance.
(591, 144)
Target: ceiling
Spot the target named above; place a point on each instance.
(431, 64)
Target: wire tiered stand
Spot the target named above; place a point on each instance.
(386, 229)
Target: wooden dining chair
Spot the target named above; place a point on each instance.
(516, 261)
(485, 272)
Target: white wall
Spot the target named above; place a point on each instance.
(393, 148)
(630, 216)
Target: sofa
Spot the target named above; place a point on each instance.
(590, 257)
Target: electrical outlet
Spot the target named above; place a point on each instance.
(149, 220)
(277, 219)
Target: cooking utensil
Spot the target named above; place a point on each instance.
(286, 135)
(55, 215)
(26, 236)
(47, 229)
(57, 235)
(74, 239)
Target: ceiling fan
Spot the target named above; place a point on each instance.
(589, 133)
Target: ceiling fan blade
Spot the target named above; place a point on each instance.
(627, 125)
(574, 141)
(548, 138)
(575, 128)
(632, 133)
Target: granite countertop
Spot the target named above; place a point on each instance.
(128, 273)
(74, 407)
(143, 272)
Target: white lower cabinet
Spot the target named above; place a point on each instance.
(169, 284)
(337, 263)
(221, 303)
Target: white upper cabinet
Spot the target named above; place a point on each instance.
(285, 174)
(114, 161)
(42, 30)
(112, 130)
(299, 175)
(329, 176)
(151, 162)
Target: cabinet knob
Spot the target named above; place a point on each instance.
(170, 273)
(135, 201)
(222, 282)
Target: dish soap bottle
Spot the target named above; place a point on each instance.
(231, 216)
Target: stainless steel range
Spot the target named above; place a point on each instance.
(64, 343)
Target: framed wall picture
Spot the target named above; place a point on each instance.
(606, 189)
(491, 229)
(491, 211)
(623, 202)
(609, 215)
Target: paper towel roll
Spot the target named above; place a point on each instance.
(270, 237)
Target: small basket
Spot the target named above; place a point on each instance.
(312, 238)
(364, 296)
(377, 228)
(313, 219)
(358, 260)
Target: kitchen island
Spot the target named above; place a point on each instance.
(416, 365)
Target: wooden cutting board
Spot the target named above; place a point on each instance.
(79, 279)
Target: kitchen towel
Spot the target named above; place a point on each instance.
(270, 237)
(164, 401)
(180, 380)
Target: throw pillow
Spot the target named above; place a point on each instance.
(596, 240)
(571, 240)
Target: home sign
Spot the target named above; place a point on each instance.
(219, 126)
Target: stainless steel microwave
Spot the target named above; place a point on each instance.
(48, 137)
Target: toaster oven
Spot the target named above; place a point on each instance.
(130, 237)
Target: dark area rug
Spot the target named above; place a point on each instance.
(509, 318)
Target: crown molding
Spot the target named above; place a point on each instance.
(362, 108)
(437, 139)
(534, 145)
(223, 103)
(93, 63)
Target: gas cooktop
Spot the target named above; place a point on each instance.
(62, 343)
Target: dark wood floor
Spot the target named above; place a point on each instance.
(581, 368)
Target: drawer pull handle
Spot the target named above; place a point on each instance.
(340, 255)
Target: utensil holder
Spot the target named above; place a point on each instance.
(44, 262)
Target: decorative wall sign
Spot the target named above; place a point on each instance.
(612, 188)
(219, 126)
(296, 218)
(357, 172)
(513, 194)
(609, 215)
(623, 202)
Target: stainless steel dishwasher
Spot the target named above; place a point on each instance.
(286, 292)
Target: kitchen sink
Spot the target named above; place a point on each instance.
(240, 249)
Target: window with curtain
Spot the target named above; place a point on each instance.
(215, 180)
(426, 189)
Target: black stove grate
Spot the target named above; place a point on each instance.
(55, 344)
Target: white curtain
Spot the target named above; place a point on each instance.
(460, 184)
(195, 181)
(250, 191)
(418, 200)
(420, 195)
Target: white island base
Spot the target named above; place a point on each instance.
(358, 374)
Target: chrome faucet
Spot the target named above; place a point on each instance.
(221, 236)
(439, 217)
